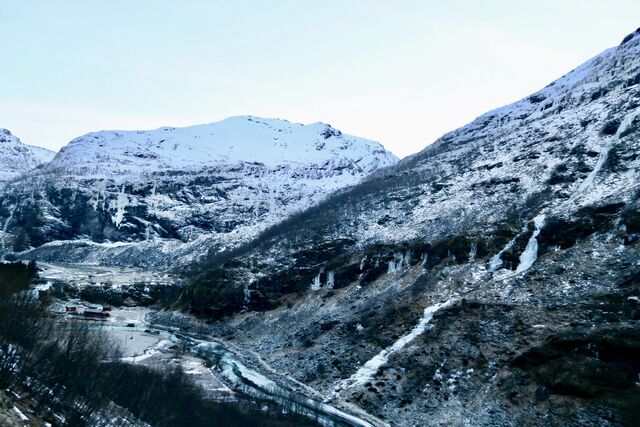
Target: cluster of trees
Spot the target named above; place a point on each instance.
(75, 371)
(16, 277)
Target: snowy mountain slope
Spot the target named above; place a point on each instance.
(243, 139)
(572, 145)
(17, 158)
(163, 197)
(526, 221)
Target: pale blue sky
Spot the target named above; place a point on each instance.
(401, 72)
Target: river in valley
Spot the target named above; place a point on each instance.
(220, 370)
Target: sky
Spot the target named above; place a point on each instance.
(400, 72)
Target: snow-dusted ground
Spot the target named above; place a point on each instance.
(256, 384)
(90, 275)
(143, 343)
(135, 344)
(541, 159)
(216, 367)
(467, 183)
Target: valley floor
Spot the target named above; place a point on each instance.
(553, 345)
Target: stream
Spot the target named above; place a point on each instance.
(150, 343)
(237, 376)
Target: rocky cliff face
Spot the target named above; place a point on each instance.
(524, 223)
(17, 158)
(165, 197)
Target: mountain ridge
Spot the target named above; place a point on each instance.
(17, 158)
(238, 139)
(163, 197)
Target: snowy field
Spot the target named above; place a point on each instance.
(88, 275)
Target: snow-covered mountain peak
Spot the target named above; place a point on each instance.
(7, 138)
(17, 158)
(241, 139)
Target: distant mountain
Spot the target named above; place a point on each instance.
(130, 155)
(17, 158)
(163, 197)
(491, 279)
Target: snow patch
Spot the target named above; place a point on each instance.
(371, 367)
(121, 204)
(330, 280)
(530, 254)
(20, 415)
(316, 285)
